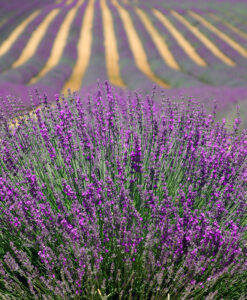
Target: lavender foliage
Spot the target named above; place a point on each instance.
(116, 195)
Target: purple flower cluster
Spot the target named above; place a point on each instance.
(120, 195)
(215, 74)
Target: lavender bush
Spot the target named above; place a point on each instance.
(118, 198)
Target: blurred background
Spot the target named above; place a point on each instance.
(190, 49)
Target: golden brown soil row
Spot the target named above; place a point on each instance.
(7, 44)
(136, 46)
(184, 44)
(111, 51)
(212, 47)
(35, 39)
(59, 43)
(222, 35)
(110, 42)
(83, 50)
(158, 40)
(231, 27)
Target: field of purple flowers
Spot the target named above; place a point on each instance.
(154, 42)
(128, 180)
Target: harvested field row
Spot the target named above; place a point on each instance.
(14, 56)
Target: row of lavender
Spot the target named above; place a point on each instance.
(216, 74)
(13, 12)
(200, 80)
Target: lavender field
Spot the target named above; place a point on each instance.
(190, 48)
(123, 143)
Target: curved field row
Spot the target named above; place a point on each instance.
(159, 64)
(212, 47)
(136, 45)
(179, 47)
(130, 73)
(225, 43)
(184, 44)
(211, 75)
(159, 41)
(233, 34)
(19, 42)
(222, 35)
(59, 43)
(239, 71)
(83, 50)
(97, 68)
(17, 11)
(35, 39)
(44, 49)
(231, 27)
(174, 77)
(34, 65)
(110, 44)
(63, 70)
(217, 73)
(8, 43)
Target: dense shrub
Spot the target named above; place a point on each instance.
(117, 196)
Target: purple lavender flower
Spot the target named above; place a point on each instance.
(151, 196)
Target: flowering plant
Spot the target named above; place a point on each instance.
(119, 197)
